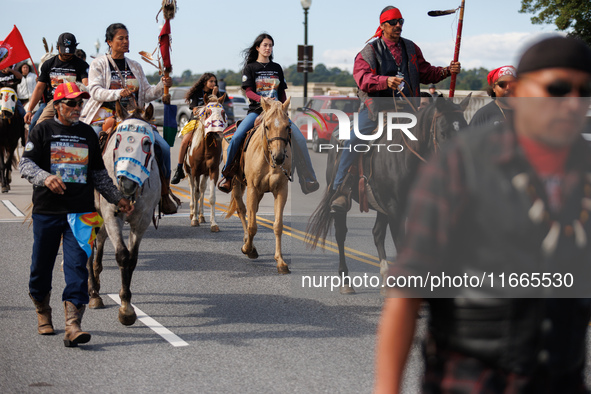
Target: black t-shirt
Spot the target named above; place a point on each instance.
(130, 83)
(8, 80)
(488, 115)
(55, 72)
(266, 79)
(70, 152)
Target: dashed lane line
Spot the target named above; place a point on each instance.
(158, 328)
(13, 209)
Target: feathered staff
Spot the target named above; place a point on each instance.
(452, 84)
(168, 9)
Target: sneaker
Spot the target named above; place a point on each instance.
(179, 174)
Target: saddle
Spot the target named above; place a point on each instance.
(236, 166)
(360, 174)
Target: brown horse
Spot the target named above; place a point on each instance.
(12, 127)
(202, 161)
(265, 167)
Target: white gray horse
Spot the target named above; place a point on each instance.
(129, 159)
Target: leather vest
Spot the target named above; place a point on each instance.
(515, 334)
(380, 59)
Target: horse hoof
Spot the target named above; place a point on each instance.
(215, 229)
(96, 303)
(346, 289)
(194, 223)
(283, 270)
(201, 219)
(127, 320)
(253, 254)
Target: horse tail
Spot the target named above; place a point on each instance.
(233, 207)
(320, 222)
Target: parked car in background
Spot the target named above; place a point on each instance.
(240, 105)
(177, 97)
(321, 133)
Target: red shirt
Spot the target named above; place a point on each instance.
(370, 82)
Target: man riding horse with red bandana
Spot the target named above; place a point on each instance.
(388, 66)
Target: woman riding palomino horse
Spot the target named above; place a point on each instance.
(129, 160)
(202, 88)
(263, 78)
(113, 77)
(266, 167)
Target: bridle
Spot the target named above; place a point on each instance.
(267, 141)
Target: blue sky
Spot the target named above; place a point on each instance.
(209, 36)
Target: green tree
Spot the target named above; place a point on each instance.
(573, 16)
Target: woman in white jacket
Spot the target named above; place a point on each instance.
(113, 77)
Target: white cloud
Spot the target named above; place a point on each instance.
(486, 50)
(341, 58)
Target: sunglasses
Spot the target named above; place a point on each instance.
(73, 103)
(561, 88)
(504, 84)
(394, 22)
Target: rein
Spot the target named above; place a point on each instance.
(267, 141)
(402, 133)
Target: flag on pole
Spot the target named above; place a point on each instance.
(170, 111)
(13, 49)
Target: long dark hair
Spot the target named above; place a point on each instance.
(112, 29)
(199, 85)
(251, 54)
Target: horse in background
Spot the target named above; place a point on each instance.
(389, 180)
(12, 128)
(264, 167)
(202, 161)
(129, 159)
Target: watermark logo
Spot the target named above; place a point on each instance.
(390, 123)
(318, 118)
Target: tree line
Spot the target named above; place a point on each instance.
(474, 79)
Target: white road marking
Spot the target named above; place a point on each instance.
(158, 328)
(12, 208)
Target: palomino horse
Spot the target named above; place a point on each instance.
(129, 159)
(266, 167)
(202, 162)
(12, 127)
(389, 177)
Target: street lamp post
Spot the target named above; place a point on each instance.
(306, 5)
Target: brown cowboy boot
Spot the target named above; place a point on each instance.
(341, 200)
(225, 184)
(74, 335)
(169, 203)
(43, 310)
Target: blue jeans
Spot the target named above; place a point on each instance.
(366, 126)
(37, 115)
(162, 151)
(47, 234)
(296, 136)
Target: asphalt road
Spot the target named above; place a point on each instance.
(241, 326)
(238, 326)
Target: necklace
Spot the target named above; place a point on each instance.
(539, 214)
(502, 112)
(263, 64)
